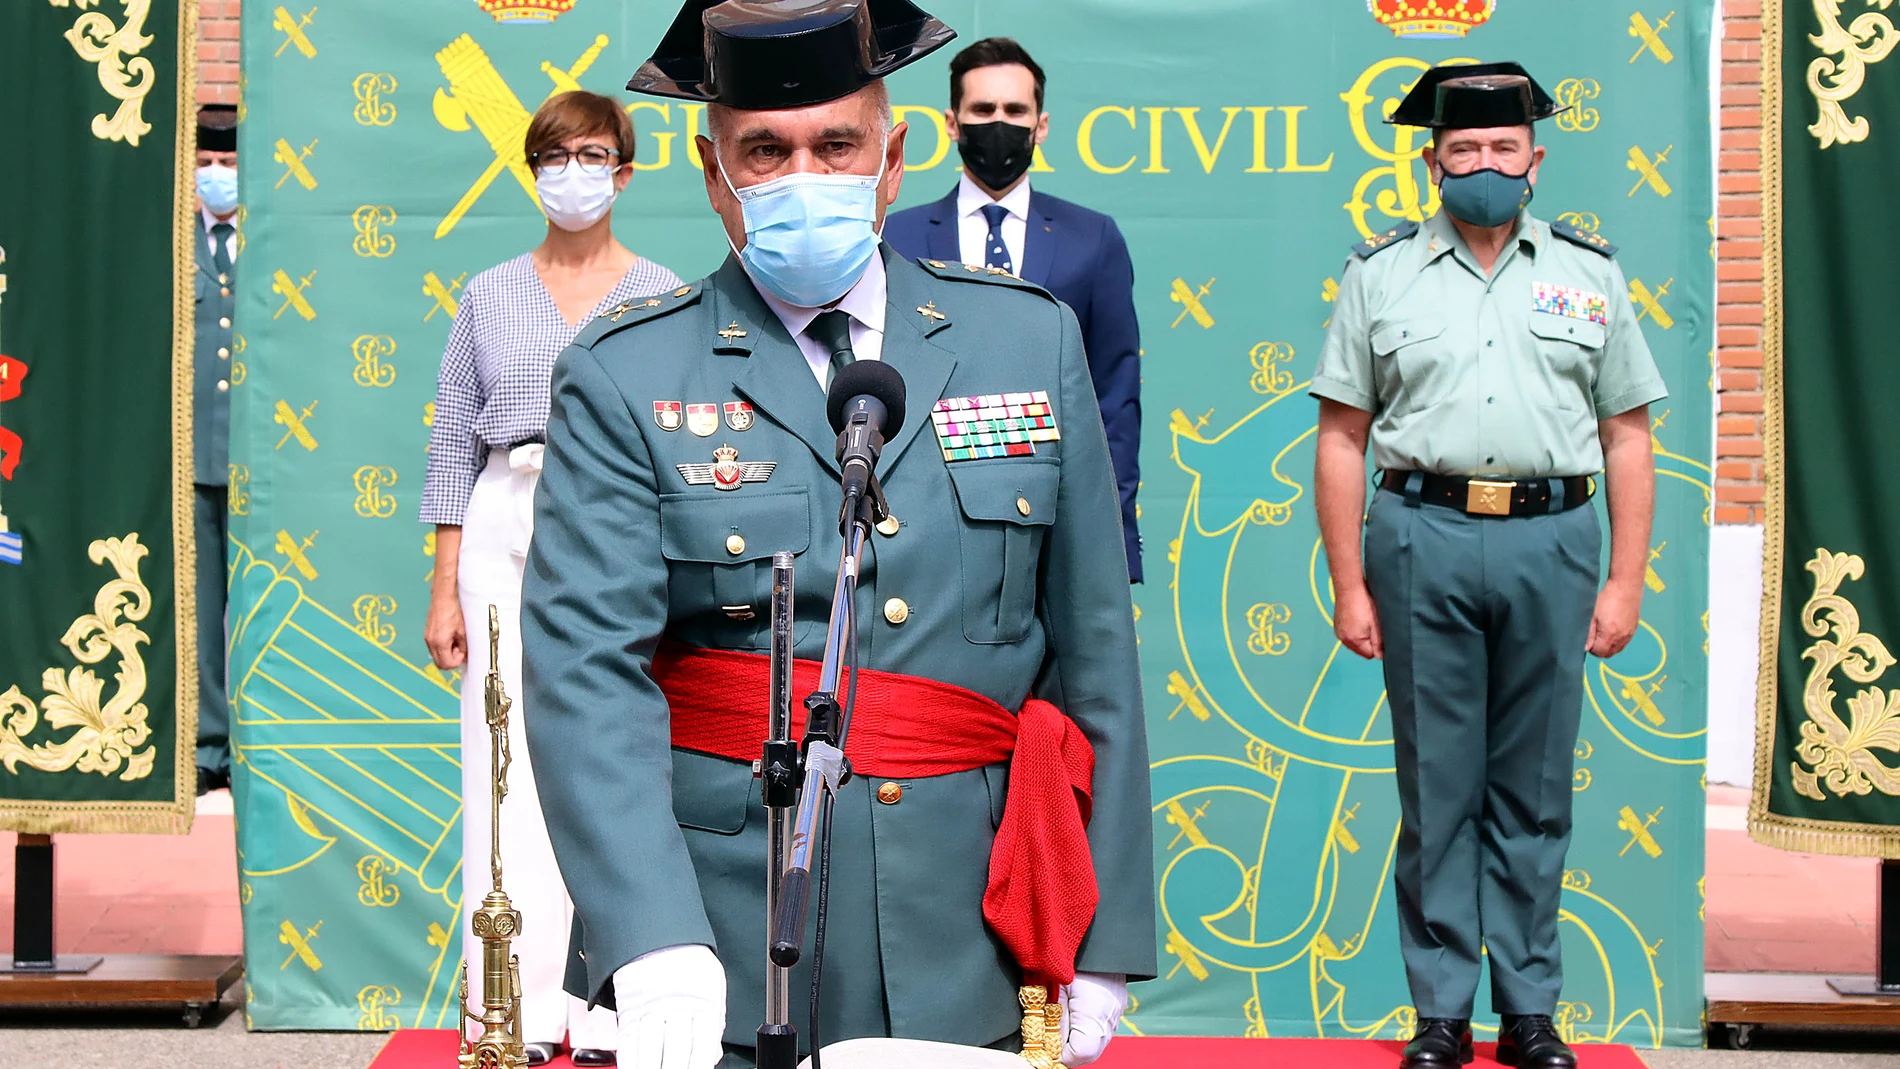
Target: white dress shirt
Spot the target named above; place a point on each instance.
(211, 243)
(863, 302)
(973, 230)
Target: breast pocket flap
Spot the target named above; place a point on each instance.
(1020, 492)
(702, 527)
(1395, 336)
(1564, 328)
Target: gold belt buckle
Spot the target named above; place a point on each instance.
(1488, 498)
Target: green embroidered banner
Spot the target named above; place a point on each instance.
(98, 689)
(1827, 761)
(1240, 148)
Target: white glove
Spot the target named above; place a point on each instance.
(1092, 1011)
(672, 1007)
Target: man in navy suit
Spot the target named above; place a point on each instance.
(993, 219)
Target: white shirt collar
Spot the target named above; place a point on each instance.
(970, 199)
(865, 301)
(212, 220)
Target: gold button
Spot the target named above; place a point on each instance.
(224, 354)
(682, 291)
(1022, 505)
(735, 545)
(223, 385)
(224, 291)
(222, 279)
(890, 793)
(888, 526)
(896, 611)
(225, 322)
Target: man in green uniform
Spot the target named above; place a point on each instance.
(688, 441)
(213, 284)
(1494, 363)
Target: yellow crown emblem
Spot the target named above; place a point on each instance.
(518, 10)
(725, 454)
(1431, 18)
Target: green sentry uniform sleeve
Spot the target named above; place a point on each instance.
(594, 603)
(1627, 377)
(1091, 673)
(1344, 372)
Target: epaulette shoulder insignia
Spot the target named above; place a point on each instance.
(1380, 242)
(1589, 239)
(971, 273)
(637, 311)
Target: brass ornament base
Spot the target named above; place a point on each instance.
(499, 1044)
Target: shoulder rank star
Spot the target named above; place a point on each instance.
(727, 472)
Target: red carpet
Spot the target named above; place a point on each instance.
(435, 1049)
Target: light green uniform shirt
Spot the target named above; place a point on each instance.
(1468, 374)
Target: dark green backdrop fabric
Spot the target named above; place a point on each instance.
(97, 722)
(1827, 775)
(1239, 147)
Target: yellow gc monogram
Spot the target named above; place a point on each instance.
(1408, 198)
(375, 1001)
(370, 610)
(375, 891)
(371, 108)
(1571, 93)
(371, 502)
(370, 350)
(369, 221)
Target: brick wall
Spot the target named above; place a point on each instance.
(218, 51)
(1738, 453)
(1738, 317)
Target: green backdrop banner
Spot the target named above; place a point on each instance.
(1825, 775)
(1239, 145)
(98, 685)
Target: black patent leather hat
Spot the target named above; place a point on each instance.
(764, 55)
(1475, 96)
(217, 128)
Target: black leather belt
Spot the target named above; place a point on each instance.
(1492, 497)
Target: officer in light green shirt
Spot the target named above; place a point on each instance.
(1493, 363)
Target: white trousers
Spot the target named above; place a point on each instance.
(495, 534)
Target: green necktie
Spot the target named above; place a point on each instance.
(221, 249)
(833, 331)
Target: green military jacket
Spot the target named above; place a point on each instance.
(1012, 576)
(211, 367)
(1474, 374)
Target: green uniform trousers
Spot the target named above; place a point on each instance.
(214, 707)
(1485, 622)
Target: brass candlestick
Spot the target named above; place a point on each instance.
(497, 923)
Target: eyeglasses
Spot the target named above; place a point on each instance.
(592, 158)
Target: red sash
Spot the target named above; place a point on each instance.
(1041, 895)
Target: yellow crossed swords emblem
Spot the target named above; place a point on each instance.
(1648, 170)
(295, 421)
(444, 294)
(1190, 303)
(1650, 304)
(1651, 578)
(1645, 699)
(477, 93)
(299, 945)
(1651, 36)
(298, 554)
(1180, 688)
(292, 159)
(1189, 823)
(1639, 831)
(292, 29)
(292, 293)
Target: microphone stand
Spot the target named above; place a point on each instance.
(779, 775)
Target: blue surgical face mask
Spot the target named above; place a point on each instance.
(1487, 197)
(217, 187)
(809, 237)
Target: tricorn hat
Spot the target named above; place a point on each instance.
(217, 128)
(763, 55)
(1475, 96)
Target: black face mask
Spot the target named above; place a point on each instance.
(996, 153)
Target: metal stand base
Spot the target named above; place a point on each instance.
(64, 965)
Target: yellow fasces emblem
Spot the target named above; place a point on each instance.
(292, 159)
(1651, 37)
(292, 28)
(292, 293)
(299, 944)
(443, 293)
(1190, 301)
(477, 94)
(1639, 831)
(296, 424)
(1649, 170)
(298, 553)
(1650, 304)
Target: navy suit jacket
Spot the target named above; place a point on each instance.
(1079, 256)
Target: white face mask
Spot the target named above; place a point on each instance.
(575, 197)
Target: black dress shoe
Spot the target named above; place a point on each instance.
(204, 782)
(591, 1056)
(538, 1053)
(1532, 1041)
(1439, 1043)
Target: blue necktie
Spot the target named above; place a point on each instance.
(995, 253)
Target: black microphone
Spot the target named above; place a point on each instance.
(866, 407)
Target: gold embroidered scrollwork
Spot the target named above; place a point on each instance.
(1835, 77)
(1571, 93)
(1269, 376)
(98, 41)
(1840, 755)
(109, 732)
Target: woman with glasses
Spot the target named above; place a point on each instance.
(491, 410)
